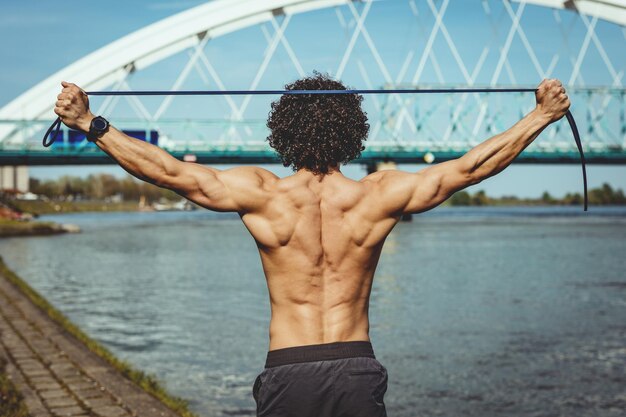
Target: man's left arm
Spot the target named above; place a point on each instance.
(240, 189)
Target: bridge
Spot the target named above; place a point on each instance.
(252, 44)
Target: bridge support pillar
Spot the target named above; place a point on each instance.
(14, 178)
(381, 166)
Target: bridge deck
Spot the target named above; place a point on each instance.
(237, 156)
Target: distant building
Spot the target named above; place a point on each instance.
(14, 178)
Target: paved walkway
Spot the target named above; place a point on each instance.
(57, 374)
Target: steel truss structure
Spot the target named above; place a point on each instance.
(403, 128)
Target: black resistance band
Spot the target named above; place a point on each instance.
(55, 128)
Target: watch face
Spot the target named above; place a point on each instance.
(99, 124)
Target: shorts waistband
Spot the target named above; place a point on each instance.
(321, 352)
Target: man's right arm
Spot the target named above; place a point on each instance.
(401, 192)
(239, 189)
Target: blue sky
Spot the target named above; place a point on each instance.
(39, 38)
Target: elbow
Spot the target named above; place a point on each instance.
(160, 178)
(474, 178)
(158, 181)
(166, 175)
(472, 170)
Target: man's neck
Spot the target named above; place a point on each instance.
(331, 171)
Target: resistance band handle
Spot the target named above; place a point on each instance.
(56, 126)
(572, 125)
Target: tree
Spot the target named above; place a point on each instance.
(461, 198)
(547, 198)
(480, 199)
(573, 199)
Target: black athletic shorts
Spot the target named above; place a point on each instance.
(341, 379)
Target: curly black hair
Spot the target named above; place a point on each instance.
(317, 131)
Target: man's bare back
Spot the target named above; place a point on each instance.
(320, 239)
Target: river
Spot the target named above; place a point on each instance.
(474, 311)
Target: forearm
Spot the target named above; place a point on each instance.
(495, 154)
(143, 160)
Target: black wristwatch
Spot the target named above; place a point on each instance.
(99, 125)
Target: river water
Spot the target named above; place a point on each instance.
(474, 311)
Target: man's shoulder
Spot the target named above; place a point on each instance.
(386, 176)
(250, 173)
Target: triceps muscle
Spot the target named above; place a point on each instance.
(435, 184)
(202, 185)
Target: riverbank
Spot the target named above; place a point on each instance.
(40, 207)
(13, 228)
(15, 222)
(59, 370)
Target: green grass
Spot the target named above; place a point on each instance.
(38, 207)
(11, 401)
(148, 382)
(10, 228)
